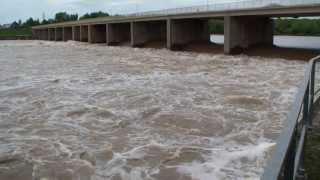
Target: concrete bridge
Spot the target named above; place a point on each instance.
(246, 23)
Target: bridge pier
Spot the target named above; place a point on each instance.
(145, 32)
(35, 33)
(38, 34)
(43, 34)
(84, 33)
(97, 33)
(76, 33)
(184, 31)
(118, 33)
(58, 34)
(67, 33)
(242, 32)
(51, 34)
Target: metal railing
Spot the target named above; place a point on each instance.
(212, 7)
(288, 155)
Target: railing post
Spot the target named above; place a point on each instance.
(306, 121)
(311, 92)
(289, 166)
(306, 106)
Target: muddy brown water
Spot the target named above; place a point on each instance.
(89, 112)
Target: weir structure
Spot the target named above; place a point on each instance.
(244, 27)
(118, 33)
(246, 24)
(84, 33)
(76, 33)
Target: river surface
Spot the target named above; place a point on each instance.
(78, 111)
(304, 42)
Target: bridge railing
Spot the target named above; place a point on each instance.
(214, 7)
(288, 155)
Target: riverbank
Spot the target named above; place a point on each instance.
(282, 26)
(287, 47)
(15, 33)
(16, 38)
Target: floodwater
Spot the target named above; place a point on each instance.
(303, 42)
(89, 112)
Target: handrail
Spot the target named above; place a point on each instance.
(204, 8)
(287, 157)
(214, 7)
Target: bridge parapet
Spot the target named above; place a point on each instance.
(216, 7)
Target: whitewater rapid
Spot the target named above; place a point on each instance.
(71, 110)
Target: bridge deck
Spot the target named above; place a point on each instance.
(273, 11)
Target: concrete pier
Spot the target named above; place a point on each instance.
(182, 32)
(97, 33)
(84, 31)
(58, 34)
(52, 34)
(67, 33)
(118, 33)
(44, 34)
(145, 32)
(76, 33)
(243, 32)
(36, 33)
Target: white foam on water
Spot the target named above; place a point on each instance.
(96, 112)
(220, 163)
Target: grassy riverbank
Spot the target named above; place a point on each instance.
(15, 32)
(295, 27)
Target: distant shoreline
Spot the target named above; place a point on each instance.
(27, 37)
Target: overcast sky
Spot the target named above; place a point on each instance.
(13, 10)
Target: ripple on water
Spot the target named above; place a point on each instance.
(71, 111)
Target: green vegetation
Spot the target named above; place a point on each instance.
(216, 26)
(299, 27)
(94, 15)
(305, 27)
(61, 17)
(19, 29)
(14, 32)
(24, 28)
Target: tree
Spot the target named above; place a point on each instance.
(14, 25)
(216, 27)
(94, 15)
(31, 22)
(63, 17)
(49, 21)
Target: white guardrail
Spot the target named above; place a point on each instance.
(212, 7)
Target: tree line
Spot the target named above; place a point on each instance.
(282, 26)
(19, 28)
(58, 18)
